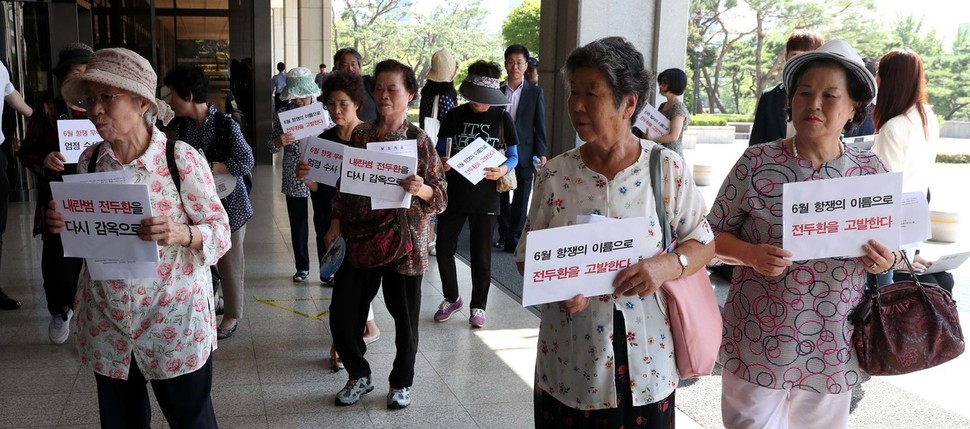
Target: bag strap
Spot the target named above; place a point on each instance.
(501, 130)
(93, 162)
(656, 180)
(434, 107)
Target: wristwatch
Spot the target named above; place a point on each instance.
(682, 259)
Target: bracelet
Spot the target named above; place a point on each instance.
(895, 260)
(191, 237)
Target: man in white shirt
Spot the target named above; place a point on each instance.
(527, 108)
(279, 82)
(12, 97)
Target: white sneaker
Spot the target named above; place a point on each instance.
(60, 329)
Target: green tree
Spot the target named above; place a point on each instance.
(382, 29)
(522, 26)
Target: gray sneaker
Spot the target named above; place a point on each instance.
(353, 390)
(60, 327)
(399, 398)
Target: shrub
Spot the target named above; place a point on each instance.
(953, 158)
(718, 119)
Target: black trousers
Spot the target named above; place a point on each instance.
(480, 231)
(353, 291)
(60, 275)
(296, 210)
(185, 400)
(512, 218)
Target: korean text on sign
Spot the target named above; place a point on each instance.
(306, 121)
(75, 135)
(835, 217)
(375, 174)
(324, 158)
(474, 158)
(102, 220)
(580, 259)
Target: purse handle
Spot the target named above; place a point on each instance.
(656, 179)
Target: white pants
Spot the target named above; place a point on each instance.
(746, 405)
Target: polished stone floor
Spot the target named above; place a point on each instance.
(275, 371)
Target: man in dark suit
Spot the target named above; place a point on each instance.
(769, 118)
(527, 107)
(348, 59)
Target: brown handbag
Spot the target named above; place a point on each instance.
(905, 327)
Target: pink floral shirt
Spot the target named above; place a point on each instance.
(575, 357)
(168, 322)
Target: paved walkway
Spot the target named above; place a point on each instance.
(274, 371)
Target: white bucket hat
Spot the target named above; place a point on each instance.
(299, 84)
(840, 51)
(118, 68)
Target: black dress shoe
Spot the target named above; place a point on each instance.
(510, 247)
(8, 303)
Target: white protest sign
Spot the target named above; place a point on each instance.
(305, 121)
(101, 221)
(653, 123)
(474, 158)
(400, 147)
(914, 215)
(579, 259)
(947, 263)
(74, 136)
(113, 269)
(324, 158)
(375, 174)
(835, 217)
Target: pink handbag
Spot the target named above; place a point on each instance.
(695, 319)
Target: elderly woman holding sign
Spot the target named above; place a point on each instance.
(606, 361)
(160, 329)
(786, 349)
(301, 91)
(386, 248)
(481, 118)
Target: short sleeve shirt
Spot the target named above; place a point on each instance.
(789, 331)
(575, 359)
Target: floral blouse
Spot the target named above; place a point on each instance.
(789, 331)
(166, 323)
(356, 208)
(575, 360)
(291, 157)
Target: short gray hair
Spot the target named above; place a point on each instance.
(620, 62)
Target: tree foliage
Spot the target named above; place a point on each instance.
(741, 48)
(522, 26)
(382, 29)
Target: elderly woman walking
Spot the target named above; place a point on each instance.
(605, 362)
(220, 139)
(159, 329)
(300, 91)
(386, 249)
(791, 364)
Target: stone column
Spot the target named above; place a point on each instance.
(658, 28)
(315, 23)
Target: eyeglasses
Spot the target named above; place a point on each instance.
(515, 63)
(104, 99)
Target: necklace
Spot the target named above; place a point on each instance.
(794, 147)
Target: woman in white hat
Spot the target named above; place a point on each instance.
(482, 117)
(160, 329)
(300, 91)
(791, 364)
